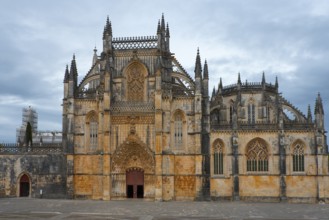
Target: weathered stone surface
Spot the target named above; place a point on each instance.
(45, 172)
(259, 186)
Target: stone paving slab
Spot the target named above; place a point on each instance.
(27, 208)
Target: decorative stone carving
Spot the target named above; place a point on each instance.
(133, 153)
(135, 82)
(137, 119)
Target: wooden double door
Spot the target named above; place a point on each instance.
(135, 183)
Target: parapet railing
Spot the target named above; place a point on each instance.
(263, 126)
(6, 148)
(129, 43)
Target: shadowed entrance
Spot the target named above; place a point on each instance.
(24, 186)
(135, 183)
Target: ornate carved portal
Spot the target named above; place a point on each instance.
(133, 153)
(133, 169)
(135, 82)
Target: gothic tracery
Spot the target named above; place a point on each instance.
(135, 82)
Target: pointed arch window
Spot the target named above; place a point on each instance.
(218, 157)
(298, 158)
(268, 115)
(93, 132)
(251, 114)
(178, 135)
(257, 157)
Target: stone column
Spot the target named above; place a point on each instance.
(235, 167)
(282, 167)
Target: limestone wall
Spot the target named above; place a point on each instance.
(46, 173)
(267, 187)
(221, 188)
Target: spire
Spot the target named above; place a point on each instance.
(95, 56)
(220, 85)
(309, 114)
(276, 82)
(318, 105)
(163, 25)
(205, 70)
(107, 28)
(239, 79)
(167, 38)
(159, 28)
(263, 78)
(167, 31)
(198, 68)
(73, 70)
(213, 92)
(66, 75)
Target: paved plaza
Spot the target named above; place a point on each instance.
(27, 208)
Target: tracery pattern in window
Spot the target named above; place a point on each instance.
(257, 157)
(298, 158)
(218, 158)
(93, 132)
(135, 83)
(178, 125)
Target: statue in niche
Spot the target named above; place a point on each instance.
(117, 92)
(132, 129)
(151, 95)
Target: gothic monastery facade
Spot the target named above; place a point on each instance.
(138, 125)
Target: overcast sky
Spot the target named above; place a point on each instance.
(288, 39)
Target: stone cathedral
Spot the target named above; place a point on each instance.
(138, 125)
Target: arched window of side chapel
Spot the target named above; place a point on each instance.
(257, 156)
(218, 157)
(178, 125)
(92, 130)
(298, 157)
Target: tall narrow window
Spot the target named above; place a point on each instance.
(231, 113)
(298, 158)
(93, 132)
(178, 124)
(266, 113)
(218, 158)
(251, 114)
(257, 156)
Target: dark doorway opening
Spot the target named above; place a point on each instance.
(140, 191)
(24, 186)
(135, 183)
(130, 191)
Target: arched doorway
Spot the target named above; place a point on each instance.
(135, 183)
(24, 186)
